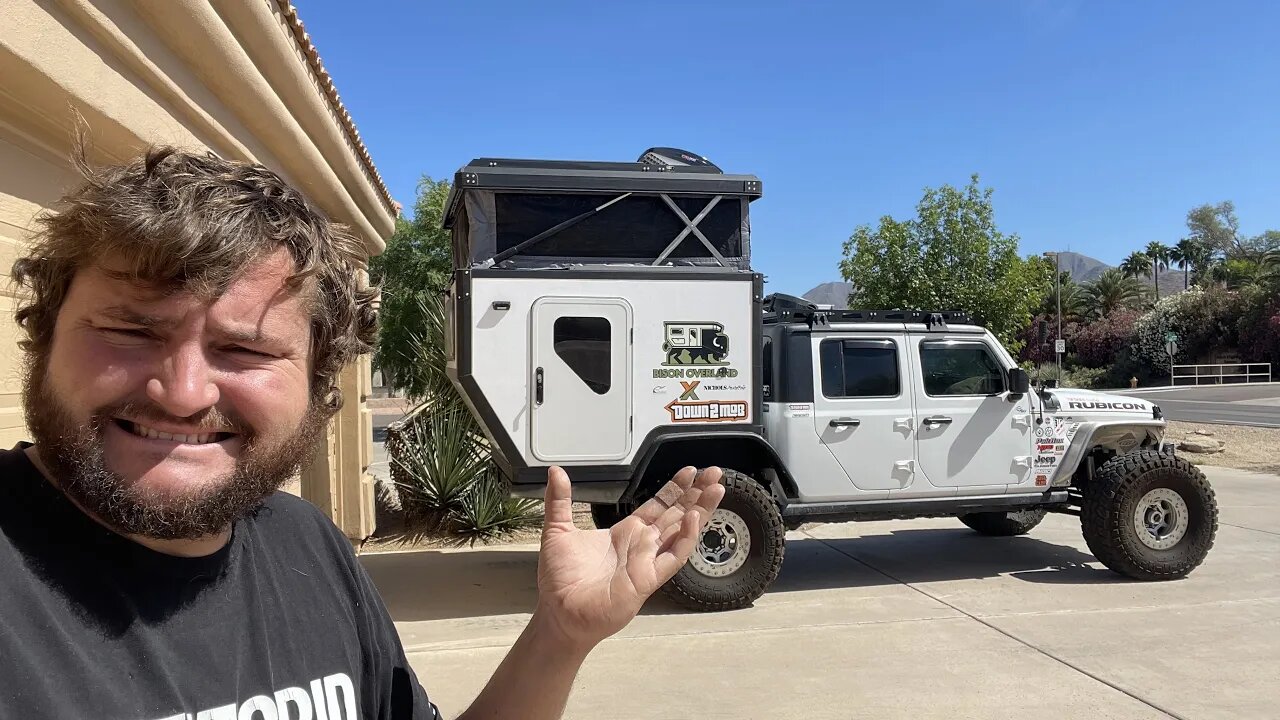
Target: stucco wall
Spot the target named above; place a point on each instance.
(227, 75)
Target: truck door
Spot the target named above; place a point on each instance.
(972, 433)
(580, 380)
(862, 408)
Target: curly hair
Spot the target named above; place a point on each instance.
(175, 220)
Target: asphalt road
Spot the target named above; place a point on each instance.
(1257, 405)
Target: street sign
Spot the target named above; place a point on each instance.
(1171, 337)
(1060, 346)
(1171, 347)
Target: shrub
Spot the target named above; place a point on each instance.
(1205, 322)
(1035, 352)
(1259, 329)
(1098, 344)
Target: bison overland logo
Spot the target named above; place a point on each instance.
(695, 343)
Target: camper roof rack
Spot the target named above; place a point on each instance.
(781, 308)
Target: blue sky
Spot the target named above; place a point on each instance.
(1098, 124)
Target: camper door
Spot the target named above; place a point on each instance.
(580, 381)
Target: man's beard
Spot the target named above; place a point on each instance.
(74, 453)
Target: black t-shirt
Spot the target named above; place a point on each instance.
(281, 624)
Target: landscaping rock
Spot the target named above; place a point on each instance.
(1206, 433)
(1201, 445)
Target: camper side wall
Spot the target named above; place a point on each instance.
(591, 370)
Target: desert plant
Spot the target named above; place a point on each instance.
(490, 512)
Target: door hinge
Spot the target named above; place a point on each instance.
(907, 423)
(907, 466)
(1022, 421)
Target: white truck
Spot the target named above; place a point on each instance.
(605, 318)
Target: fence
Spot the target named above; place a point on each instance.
(1221, 374)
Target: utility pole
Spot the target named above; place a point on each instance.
(1057, 291)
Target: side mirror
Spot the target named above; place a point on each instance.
(1019, 381)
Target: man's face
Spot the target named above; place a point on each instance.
(171, 415)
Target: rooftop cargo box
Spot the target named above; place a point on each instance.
(527, 214)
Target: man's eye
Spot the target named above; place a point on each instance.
(250, 352)
(128, 333)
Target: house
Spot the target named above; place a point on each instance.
(238, 77)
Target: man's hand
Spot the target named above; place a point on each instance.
(591, 583)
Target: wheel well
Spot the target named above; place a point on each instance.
(746, 454)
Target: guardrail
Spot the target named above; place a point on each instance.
(1221, 374)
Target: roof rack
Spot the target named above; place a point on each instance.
(780, 308)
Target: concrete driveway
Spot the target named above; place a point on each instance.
(919, 619)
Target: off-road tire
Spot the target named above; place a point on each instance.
(606, 516)
(1110, 502)
(746, 497)
(1004, 524)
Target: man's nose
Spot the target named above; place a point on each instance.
(184, 385)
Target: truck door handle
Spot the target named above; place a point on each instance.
(537, 386)
(844, 422)
(937, 420)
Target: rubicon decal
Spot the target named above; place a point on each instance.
(1105, 405)
(710, 411)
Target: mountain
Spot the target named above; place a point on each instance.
(831, 293)
(1083, 269)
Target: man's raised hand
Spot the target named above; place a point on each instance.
(591, 583)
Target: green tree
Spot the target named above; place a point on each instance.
(1075, 302)
(1159, 254)
(1114, 291)
(950, 256)
(415, 266)
(1137, 265)
(1216, 227)
(1186, 254)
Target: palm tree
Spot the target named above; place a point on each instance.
(1136, 265)
(1159, 254)
(1184, 255)
(1075, 303)
(1114, 290)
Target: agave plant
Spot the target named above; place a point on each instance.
(440, 458)
(489, 512)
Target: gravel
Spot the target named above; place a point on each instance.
(1247, 448)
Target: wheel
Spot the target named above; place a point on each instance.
(739, 553)
(606, 516)
(1004, 524)
(1149, 516)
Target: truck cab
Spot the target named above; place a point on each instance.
(881, 406)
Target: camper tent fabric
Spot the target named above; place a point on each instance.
(633, 230)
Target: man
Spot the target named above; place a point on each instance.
(185, 321)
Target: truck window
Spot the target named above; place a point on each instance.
(960, 368)
(583, 343)
(859, 368)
